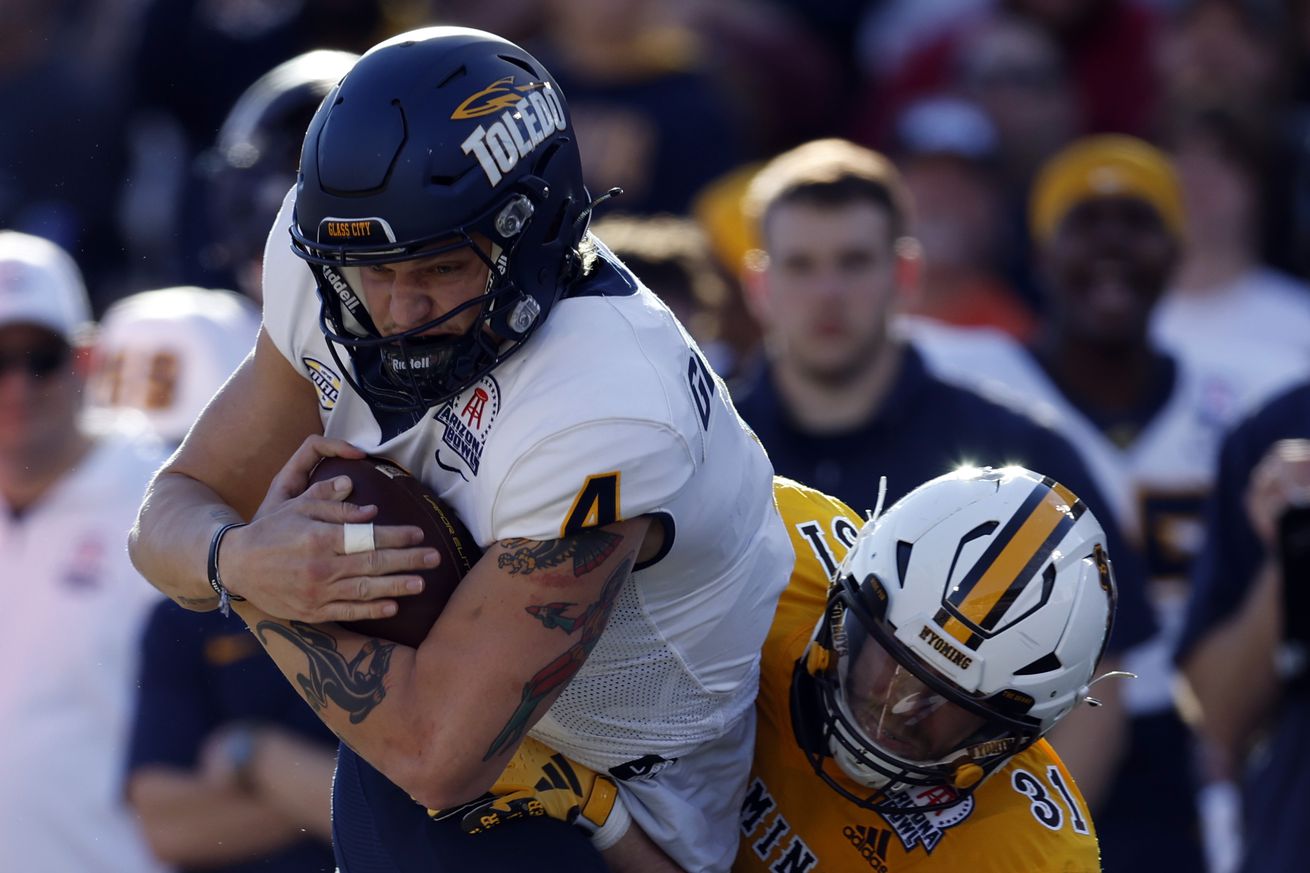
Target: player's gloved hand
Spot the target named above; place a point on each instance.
(538, 781)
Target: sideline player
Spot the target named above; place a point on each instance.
(467, 326)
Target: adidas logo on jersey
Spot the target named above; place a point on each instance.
(871, 843)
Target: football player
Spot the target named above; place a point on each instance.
(916, 661)
(445, 307)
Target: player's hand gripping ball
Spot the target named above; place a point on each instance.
(403, 499)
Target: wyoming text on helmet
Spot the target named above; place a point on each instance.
(435, 138)
(962, 625)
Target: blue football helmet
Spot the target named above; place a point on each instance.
(434, 136)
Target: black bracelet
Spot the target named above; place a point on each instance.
(224, 596)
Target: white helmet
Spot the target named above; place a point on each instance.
(164, 353)
(963, 624)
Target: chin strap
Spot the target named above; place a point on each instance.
(1113, 674)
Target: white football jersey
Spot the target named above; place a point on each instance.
(1261, 318)
(71, 619)
(1157, 484)
(609, 411)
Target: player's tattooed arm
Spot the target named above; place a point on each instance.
(589, 623)
(356, 686)
(587, 551)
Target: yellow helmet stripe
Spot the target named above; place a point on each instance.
(1011, 560)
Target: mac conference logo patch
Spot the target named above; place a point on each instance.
(326, 382)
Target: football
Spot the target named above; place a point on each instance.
(403, 499)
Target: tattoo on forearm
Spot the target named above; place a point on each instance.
(355, 685)
(588, 550)
(197, 603)
(549, 679)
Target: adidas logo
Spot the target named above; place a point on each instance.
(871, 843)
(558, 775)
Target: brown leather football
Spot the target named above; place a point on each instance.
(403, 499)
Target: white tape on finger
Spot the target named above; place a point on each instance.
(359, 538)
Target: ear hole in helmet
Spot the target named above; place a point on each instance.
(1044, 664)
(903, 550)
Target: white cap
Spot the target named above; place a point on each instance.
(40, 284)
(164, 353)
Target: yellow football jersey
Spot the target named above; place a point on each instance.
(1029, 816)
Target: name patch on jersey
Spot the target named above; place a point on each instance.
(326, 382)
(468, 419)
(528, 114)
(927, 828)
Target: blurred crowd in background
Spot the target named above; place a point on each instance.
(112, 112)
(121, 145)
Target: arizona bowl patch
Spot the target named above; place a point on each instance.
(326, 382)
(927, 828)
(468, 419)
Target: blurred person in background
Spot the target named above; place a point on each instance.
(652, 111)
(842, 400)
(1014, 71)
(192, 61)
(1241, 58)
(1243, 646)
(227, 768)
(68, 489)
(1105, 47)
(62, 159)
(673, 259)
(1108, 220)
(946, 150)
(1223, 294)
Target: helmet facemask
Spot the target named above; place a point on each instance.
(409, 371)
(894, 723)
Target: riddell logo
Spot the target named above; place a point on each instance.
(871, 843)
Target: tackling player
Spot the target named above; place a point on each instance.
(457, 318)
(914, 665)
